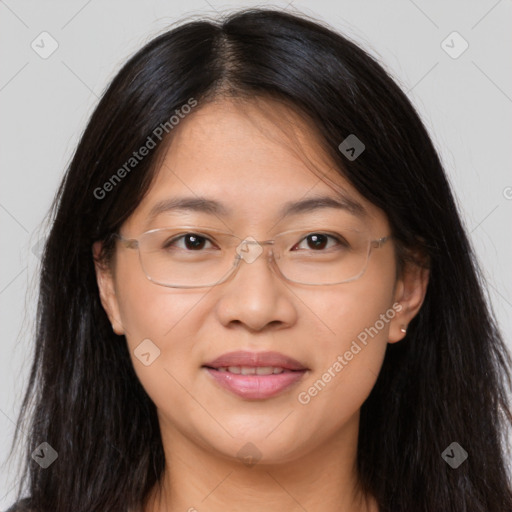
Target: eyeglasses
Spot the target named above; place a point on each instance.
(194, 256)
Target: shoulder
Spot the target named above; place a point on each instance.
(25, 505)
(21, 506)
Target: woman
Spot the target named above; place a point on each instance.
(257, 293)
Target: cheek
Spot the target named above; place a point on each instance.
(158, 323)
(354, 322)
(359, 311)
(148, 310)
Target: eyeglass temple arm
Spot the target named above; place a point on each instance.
(130, 243)
(380, 241)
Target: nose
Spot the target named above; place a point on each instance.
(255, 296)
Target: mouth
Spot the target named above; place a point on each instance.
(255, 375)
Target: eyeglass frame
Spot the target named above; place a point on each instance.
(133, 243)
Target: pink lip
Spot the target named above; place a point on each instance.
(256, 387)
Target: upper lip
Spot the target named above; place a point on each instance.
(256, 359)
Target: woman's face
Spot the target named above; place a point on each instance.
(337, 333)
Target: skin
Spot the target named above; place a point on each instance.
(241, 155)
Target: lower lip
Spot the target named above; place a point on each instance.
(256, 387)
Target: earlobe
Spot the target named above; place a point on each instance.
(410, 292)
(106, 287)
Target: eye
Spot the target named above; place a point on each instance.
(192, 241)
(319, 241)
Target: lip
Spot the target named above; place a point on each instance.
(256, 387)
(256, 359)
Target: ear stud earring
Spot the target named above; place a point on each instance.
(403, 329)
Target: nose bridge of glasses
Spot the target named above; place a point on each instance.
(249, 249)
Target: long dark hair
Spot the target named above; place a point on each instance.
(446, 382)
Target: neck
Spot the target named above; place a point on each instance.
(196, 479)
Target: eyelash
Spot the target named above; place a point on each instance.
(338, 238)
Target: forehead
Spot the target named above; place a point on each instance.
(259, 143)
(252, 157)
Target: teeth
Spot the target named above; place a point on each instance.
(265, 370)
(252, 370)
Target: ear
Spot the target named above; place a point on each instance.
(410, 290)
(106, 285)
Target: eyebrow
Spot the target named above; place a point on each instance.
(213, 207)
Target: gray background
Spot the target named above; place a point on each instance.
(465, 102)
